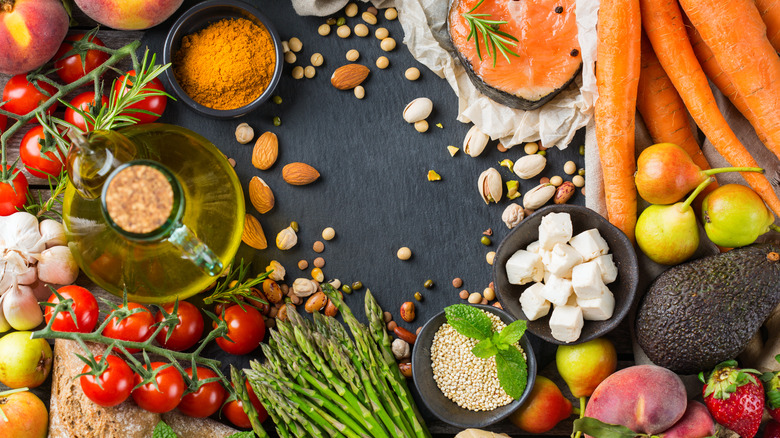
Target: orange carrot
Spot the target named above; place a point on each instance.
(662, 20)
(662, 109)
(617, 77)
(770, 13)
(740, 46)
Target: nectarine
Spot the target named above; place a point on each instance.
(31, 31)
(129, 14)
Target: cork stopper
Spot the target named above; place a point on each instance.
(139, 199)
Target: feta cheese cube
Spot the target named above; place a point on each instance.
(598, 309)
(589, 244)
(533, 303)
(555, 228)
(546, 256)
(566, 323)
(547, 275)
(524, 267)
(562, 259)
(608, 269)
(586, 280)
(557, 290)
(533, 246)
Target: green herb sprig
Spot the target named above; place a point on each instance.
(495, 40)
(510, 362)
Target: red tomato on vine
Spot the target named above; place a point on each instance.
(166, 395)
(207, 399)
(13, 192)
(40, 153)
(84, 305)
(21, 97)
(136, 327)
(111, 387)
(246, 329)
(79, 64)
(187, 332)
(86, 102)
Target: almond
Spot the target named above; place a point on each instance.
(266, 151)
(253, 234)
(349, 76)
(299, 174)
(261, 195)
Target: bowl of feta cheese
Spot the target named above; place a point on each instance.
(567, 271)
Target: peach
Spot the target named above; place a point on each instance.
(644, 398)
(31, 31)
(695, 423)
(129, 14)
(545, 407)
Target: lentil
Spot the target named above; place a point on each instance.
(387, 44)
(484, 301)
(531, 148)
(578, 181)
(361, 30)
(418, 296)
(570, 167)
(382, 62)
(421, 126)
(343, 31)
(381, 33)
(324, 29)
(359, 91)
(297, 72)
(412, 73)
(544, 180)
(417, 332)
(232, 162)
(295, 44)
(319, 262)
(317, 59)
(464, 294)
(475, 298)
(485, 240)
(404, 253)
(428, 284)
(328, 233)
(353, 55)
(391, 13)
(369, 18)
(318, 246)
(556, 180)
(457, 282)
(489, 293)
(490, 257)
(357, 285)
(309, 71)
(351, 10)
(303, 264)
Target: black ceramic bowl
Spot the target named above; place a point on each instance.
(434, 399)
(624, 256)
(197, 18)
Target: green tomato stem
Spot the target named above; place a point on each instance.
(709, 172)
(696, 192)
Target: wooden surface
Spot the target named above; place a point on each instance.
(397, 283)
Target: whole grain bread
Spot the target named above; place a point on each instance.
(73, 415)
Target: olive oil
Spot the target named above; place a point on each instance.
(156, 270)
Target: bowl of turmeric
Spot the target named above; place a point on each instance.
(226, 58)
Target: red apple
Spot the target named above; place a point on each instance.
(129, 14)
(26, 414)
(31, 31)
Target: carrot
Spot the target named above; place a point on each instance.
(617, 77)
(662, 109)
(770, 13)
(746, 57)
(662, 20)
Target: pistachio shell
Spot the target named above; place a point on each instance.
(475, 142)
(418, 109)
(538, 196)
(529, 166)
(490, 186)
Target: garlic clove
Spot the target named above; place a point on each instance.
(52, 233)
(475, 142)
(57, 266)
(490, 186)
(21, 309)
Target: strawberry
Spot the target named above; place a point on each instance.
(772, 429)
(772, 390)
(735, 398)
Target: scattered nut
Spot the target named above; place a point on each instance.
(407, 311)
(452, 150)
(490, 186)
(353, 55)
(387, 44)
(489, 293)
(538, 196)
(290, 58)
(281, 315)
(404, 253)
(369, 18)
(512, 216)
(309, 71)
(475, 142)
(295, 44)
(484, 301)
(464, 295)
(475, 298)
(418, 109)
(317, 59)
(501, 148)
(391, 326)
(319, 262)
(266, 151)
(343, 31)
(457, 282)
(373, 10)
(391, 13)
(316, 302)
(286, 239)
(513, 189)
(285, 46)
(317, 275)
(272, 291)
(529, 166)
(382, 62)
(328, 233)
(578, 181)
(401, 349)
(412, 73)
(531, 148)
(433, 176)
(570, 167)
(253, 234)
(490, 257)
(297, 72)
(324, 29)
(564, 193)
(260, 195)
(351, 10)
(278, 271)
(304, 287)
(556, 180)
(244, 133)
(318, 246)
(381, 33)
(303, 265)
(361, 30)
(387, 316)
(360, 92)
(421, 126)
(406, 369)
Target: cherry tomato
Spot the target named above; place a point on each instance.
(86, 102)
(187, 332)
(21, 97)
(207, 399)
(112, 387)
(13, 193)
(234, 411)
(166, 396)
(136, 327)
(246, 329)
(41, 156)
(72, 68)
(85, 307)
(155, 104)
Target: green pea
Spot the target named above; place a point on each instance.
(582, 149)
(542, 153)
(277, 121)
(277, 100)
(418, 296)
(581, 172)
(428, 284)
(346, 289)
(341, 21)
(485, 240)
(357, 285)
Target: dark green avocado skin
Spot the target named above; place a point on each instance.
(701, 313)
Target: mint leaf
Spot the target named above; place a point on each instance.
(469, 321)
(594, 427)
(512, 371)
(513, 332)
(246, 434)
(162, 430)
(484, 349)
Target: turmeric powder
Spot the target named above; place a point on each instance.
(226, 65)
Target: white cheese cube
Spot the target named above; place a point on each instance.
(555, 228)
(598, 309)
(546, 256)
(566, 323)
(562, 259)
(589, 244)
(557, 290)
(547, 275)
(533, 246)
(586, 280)
(608, 269)
(524, 267)
(533, 303)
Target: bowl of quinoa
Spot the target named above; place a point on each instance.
(458, 387)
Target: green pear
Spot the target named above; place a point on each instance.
(734, 216)
(668, 234)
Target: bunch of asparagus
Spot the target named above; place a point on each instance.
(318, 382)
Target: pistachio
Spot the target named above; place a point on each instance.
(512, 216)
(564, 192)
(538, 196)
(304, 287)
(278, 271)
(475, 141)
(513, 189)
(529, 166)
(286, 239)
(452, 150)
(433, 176)
(506, 162)
(418, 109)
(490, 186)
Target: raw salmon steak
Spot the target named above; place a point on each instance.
(547, 48)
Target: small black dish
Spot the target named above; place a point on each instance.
(197, 18)
(437, 402)
(582, 218)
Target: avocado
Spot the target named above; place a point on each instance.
(701, 313)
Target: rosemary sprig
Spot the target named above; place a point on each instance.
(495, 40)
(235, 287)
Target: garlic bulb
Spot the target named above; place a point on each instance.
(21, 309)
(56, 265)
(20, 233)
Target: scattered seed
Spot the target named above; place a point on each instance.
(318, 247)
(346, 289)
(556, 180)
(581, 172)
(428, 284)
(531, 148)
(387, 316)
(369, 18)
(404, 253)
(297, 72)
(294, 226)
(277, 100)
(381, 33)
(277, 121)
(290, 58)
(485, 240)
(570, 167)
(373, 10)
(412, 73)
(490, 257)
(359, 91)
(324, 29)
(484, 301)
(317, 275)
(285, 46)
(582, 149)
(418, 296)
(382, 62)
(353, 55)
(351, 10)
(341, 21)
(244, 133)
(578, 181)
(501, 148)
(391, 326)
(475, 298)
(232, 162)
(391, 13)
(343, 31)
(489, 293)
(421, 126)
(317, 59)
(387, 44)
(464, 294)
(303, 265)
(542, 153)
(544, 180)
(328, 233)
(357, 285)
(295, 44)
(457, 282)
(361, 30)
(309, 71)
(330, 21)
